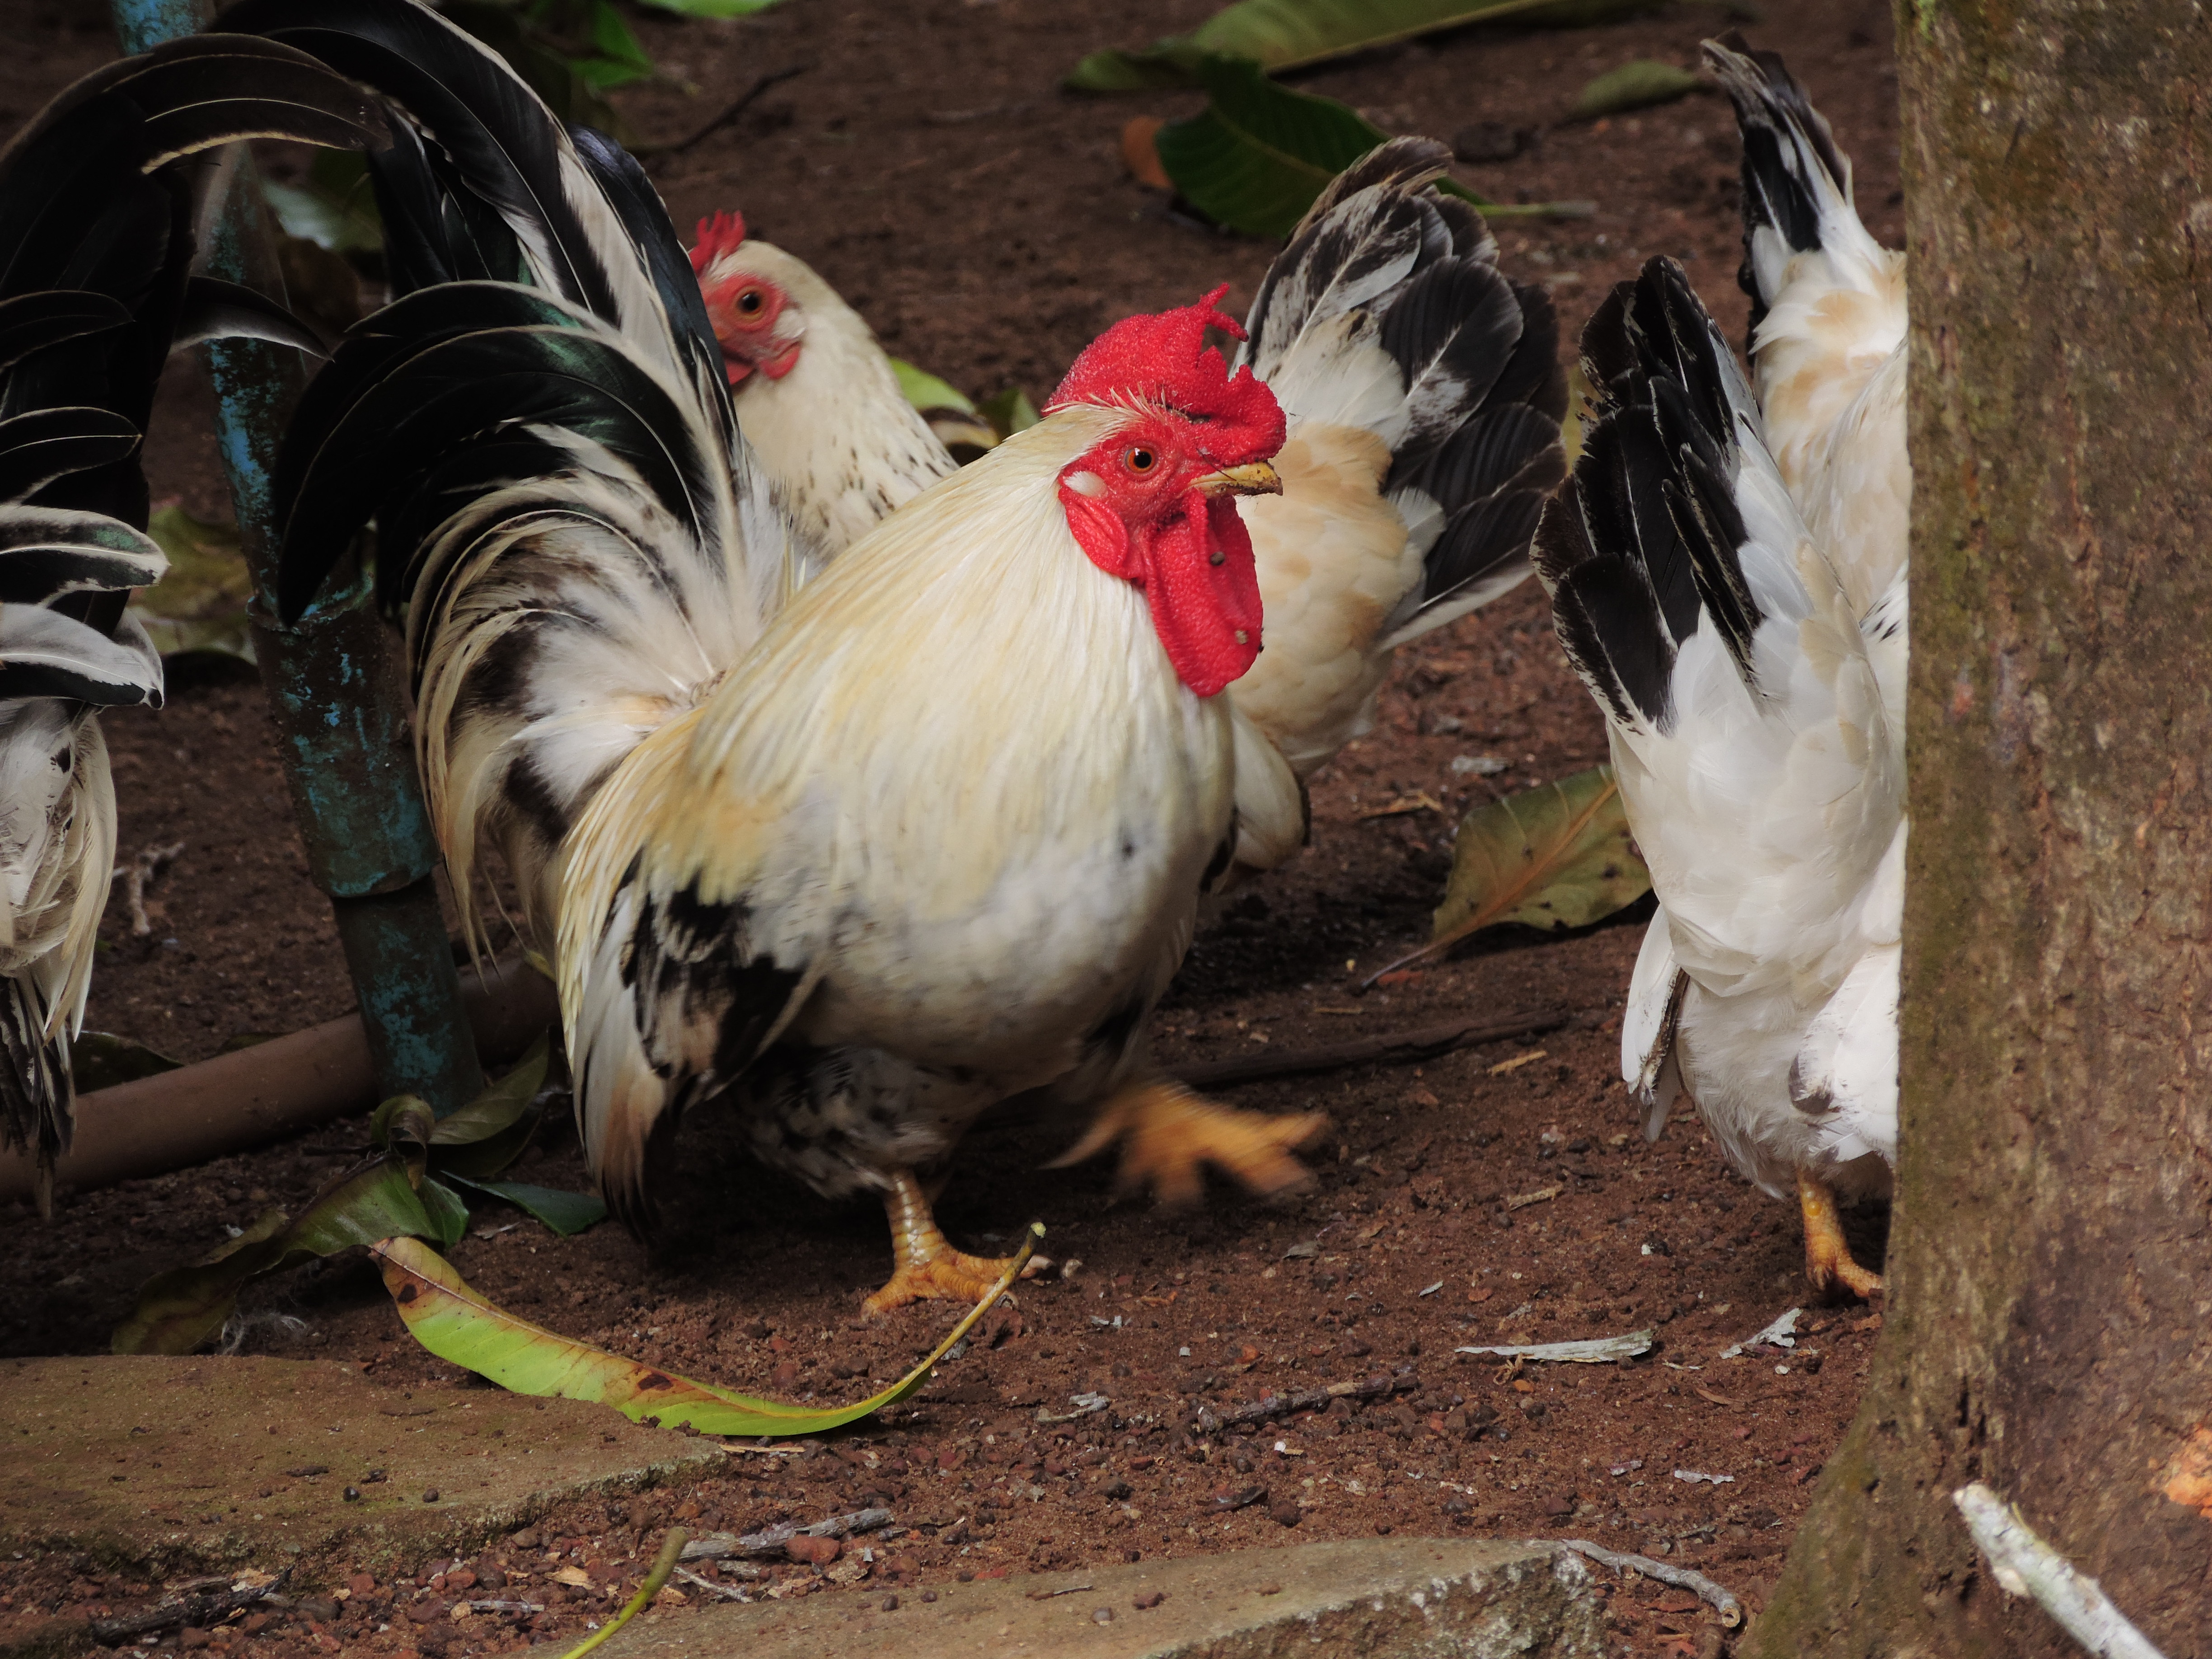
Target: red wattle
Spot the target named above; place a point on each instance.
(1206, 615)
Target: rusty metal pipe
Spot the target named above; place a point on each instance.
(334, 690)
(277, 1088)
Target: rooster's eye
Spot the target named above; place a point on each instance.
(1142, 460)
(749, 302)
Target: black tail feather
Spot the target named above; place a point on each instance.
(1642, 547)
(1783, 136)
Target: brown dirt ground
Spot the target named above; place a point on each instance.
(927, 163)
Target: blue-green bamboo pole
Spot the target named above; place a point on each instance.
(333, 689)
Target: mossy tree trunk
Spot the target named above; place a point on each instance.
(2049, 1329)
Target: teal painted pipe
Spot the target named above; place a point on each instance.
(334, 690)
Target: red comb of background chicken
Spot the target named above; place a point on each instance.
(1163, 359)
(722, 234)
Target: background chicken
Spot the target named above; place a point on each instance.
(857, 866)
(99, 194)
(1423, 396)
(1731, 584)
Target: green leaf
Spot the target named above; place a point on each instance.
(101, 1060)
(621, 59)
(713, 9)
(500, 1107)
(199, 604)
(566, 1213)
(926, 392)
(334, 208)
(447, 1210)
(1283, 34)
(1558, 856)
(1257, 155)
(1010, 412)
(460, 1327)
(180, 1309)
(1634, 86)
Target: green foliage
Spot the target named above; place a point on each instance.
(199, 604)
(1557, 856)
(1257, 155)
(1283, 34)
(456, 1323)
(396, 1192)
(1634, 86)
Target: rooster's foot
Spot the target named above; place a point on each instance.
(927, 1267)
(1167, 1134)
(1828, 1262)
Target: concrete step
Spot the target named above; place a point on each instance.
(1417, 1598)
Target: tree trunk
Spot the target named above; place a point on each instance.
(2049, 1265)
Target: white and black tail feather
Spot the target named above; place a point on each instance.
(542, 432)
(1471, 414)
(1642, 547)
(1796, 184)
(98, 197)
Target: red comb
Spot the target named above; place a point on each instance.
(1163, 359)
(723, 234)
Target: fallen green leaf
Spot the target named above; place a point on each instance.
(199, 604)
(1557, 856)
(672, 1551)
(1634, 86)
(101, 1059)
(1010, 412)
(1284, 34)
(402, 1189)
(564, 1212)
(1256, 156)
(187, 1306)
(333, 206)
(713, 9)
(926, 392)
(459, 1326)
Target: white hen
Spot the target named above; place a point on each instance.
(1731, 584)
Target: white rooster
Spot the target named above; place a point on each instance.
(1728, 573)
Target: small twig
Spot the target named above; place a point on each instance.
(770, 1541)
(663, 1565)
(199, 1611)
(736, 107)
(504, 1606)
(2024, 1564)
(1397, 1048)
(1730, 1609)
(727, 1592)
(140, 874)
(1207, 1420)
(1065, 1589)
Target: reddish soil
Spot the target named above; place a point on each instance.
(927, 164)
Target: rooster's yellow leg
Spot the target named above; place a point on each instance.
(1827, 1258)
(926, 1266)
(1167, 1134)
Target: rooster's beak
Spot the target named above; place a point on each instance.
(1253, 478)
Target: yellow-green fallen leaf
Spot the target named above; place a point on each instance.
(672, 1551)
(952, 416)
(200, 604)
(1284, 34)
(1558, 856)
(1634, 86)
(461, 1328)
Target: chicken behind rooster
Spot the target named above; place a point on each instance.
(99, 195)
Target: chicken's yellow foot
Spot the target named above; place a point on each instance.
(1827, 1257)
(1167, 1134)
(926, 1266)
